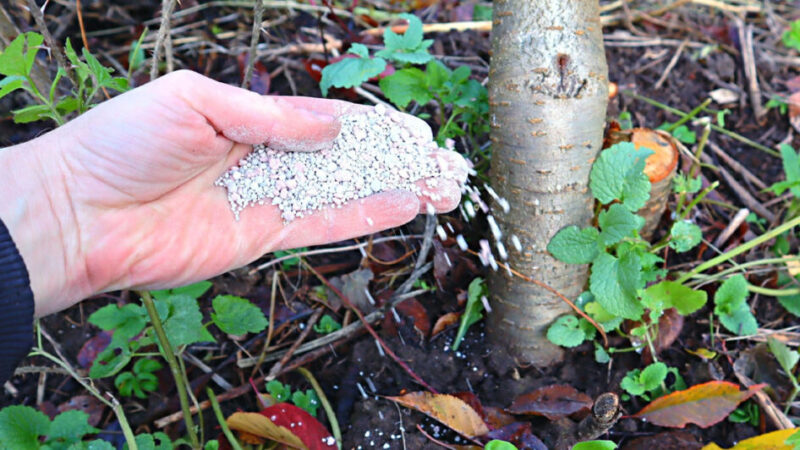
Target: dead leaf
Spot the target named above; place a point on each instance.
(412, 315)
(444, 322)
(86, 403)
(667, 440)
(770, 441)
(497, 418)
(792, 265)
(703, 405)
(286, 424)
(665, 154)
(724, 96)
(519, 434)
(554, 402)
(91, 348)
(449, 410)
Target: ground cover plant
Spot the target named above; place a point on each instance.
(684, 333)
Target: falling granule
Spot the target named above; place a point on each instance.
(462, 243)
(486, 305)
(440, 232)
(469, 209)
(504, 204)
(376, 151)
(494, 228)
(485, 253)
(501, 250)
(515, 242)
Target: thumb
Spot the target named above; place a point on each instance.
(249, 118)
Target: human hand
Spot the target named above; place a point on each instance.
(124, 196)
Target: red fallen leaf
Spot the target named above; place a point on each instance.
(703, 405)
(794, 110)
(670, 325)
(447, 409)
(444, 322)
(473, 401)
(86, 403)
(554, 402)
(497, 418)
(286, 424)
(91, 348)
(411, 312)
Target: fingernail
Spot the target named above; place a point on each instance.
(321, 117)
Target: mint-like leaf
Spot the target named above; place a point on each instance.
(351, 72)
(69, 427)
(237, 316)
(408, 47)
(184, 325)
(18, 57)
(127, 322)
(732, 309)
(575, 246)
(786, 357)
(652, 376)
(21, 426)
(406, 85)
(617, 223)
(566, 332)
(195, 290)
(614, 283)
(672, 294)
(684, 235)
(618, 175)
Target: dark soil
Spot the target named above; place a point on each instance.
(356, 375)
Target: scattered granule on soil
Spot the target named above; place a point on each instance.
(374, 152)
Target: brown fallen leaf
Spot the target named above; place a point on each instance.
(554, 402)
(412, 314)
(447, 409)
(775, 440)
(703, 405)
(667, 440)
(444, 322)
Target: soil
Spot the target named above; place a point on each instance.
(355, 375)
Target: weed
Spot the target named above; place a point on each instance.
(746, 413)
(139, 380)
(307, 400)
(791, 37)
(16, 63)
(327, 325)
(473, 312)
(779, 103)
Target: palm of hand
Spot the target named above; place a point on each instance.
(142, 175)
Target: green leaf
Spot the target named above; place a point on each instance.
(127, 321)
(279, 391)
(473, 312)
(21, 427)
(81, 68)
(127, 384)
(146, 366)
(136, 54)
(595, 445)
(212, 445)
(618, 175)
(306, 400)
(99, 444)
(32, 113)
(118, 84)
(617, 223)
(791, 167)
(684, 235)
(672, 294)
(406, 85)
(101, 74)
(786, 357)
(195, 290)
(111, 360)
(685, 135)
(683, 184)
(791, 37)
(652, 376)
(566, 332)
(614, 283)
(67, 105)
(237, 316)
(575, 246)
(408, 47)
(11, 84)
(185, 323)
(19, 56)
(327, 325)
(794, 439)
(631, 383)
(730, 295)
(69, 427)
(155, 441)
(437, 74)
(351, 72)
(496, 444)
(741, 321)
(608, 321)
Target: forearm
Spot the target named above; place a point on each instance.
(36, 208)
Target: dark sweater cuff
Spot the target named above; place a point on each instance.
(16, 306)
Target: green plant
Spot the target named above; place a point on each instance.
(777, 102)
(496, 444)
(641, 382)
(16, 63)
(22, 427)
(791, 37)
(289, 263)
(746, 413)
(462, 103)
(327, 325)
(595, 445)
(307, 400)
(791, 167)
(140, 380)
(473, 312)
(731, 308)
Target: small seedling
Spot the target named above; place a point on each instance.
(791, 37)
(779, 103)
(496, 444)
(787, 358)
(595, 445)
(731, 307)
(746, 413)
(290, 263)
(307, 400)
(473, 312)
(279, 391)
(327, 325)
(641, 382)
(140, 380)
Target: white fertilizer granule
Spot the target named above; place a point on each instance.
(374, 152)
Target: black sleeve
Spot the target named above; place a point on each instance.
(16, 306)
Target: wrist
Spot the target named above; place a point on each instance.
(36, 208)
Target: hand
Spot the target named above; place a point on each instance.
(124, 196)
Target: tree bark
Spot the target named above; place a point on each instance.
(548, 92)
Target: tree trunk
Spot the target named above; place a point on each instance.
(548, 92)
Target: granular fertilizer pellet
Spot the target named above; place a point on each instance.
(375, 151)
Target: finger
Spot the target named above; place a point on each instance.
(246, 117)
(338, 108)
